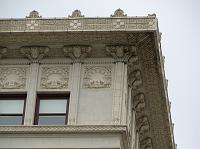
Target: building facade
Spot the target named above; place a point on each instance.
(79, 82)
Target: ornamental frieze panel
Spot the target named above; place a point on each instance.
(77, 21)
(54, 77)
(13, 77)
(97, 77)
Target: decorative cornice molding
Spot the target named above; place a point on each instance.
(34, 53)
(3, 51)
(61, 129)
(118, 13)
(77, 53)
(37, 24)
(121, 53)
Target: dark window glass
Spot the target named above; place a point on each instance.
(11, 120)
(52, 109)
(51, 120)
(12, 109)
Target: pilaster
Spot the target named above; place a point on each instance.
(121, 55)
(77, 54)
(34, 54)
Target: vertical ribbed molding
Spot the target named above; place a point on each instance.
(77, 53)
(34, 54)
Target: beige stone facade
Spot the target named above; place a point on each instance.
(112, 68)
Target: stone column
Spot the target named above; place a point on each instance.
(77, 54)
(34, 54)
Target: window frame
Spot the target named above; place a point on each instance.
(61, 96)
(15, 97)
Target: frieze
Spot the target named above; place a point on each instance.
(13, 77)
(97, 77)
(54, 77)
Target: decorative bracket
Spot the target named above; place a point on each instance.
(77, 53)
(35, 53)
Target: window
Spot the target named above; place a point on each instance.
(52, 109)
(12, 109)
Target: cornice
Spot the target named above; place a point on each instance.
(77, 22)
(62, 129)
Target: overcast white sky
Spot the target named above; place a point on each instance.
(179, 22)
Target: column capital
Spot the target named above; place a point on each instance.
(121, 53)
(77, 52)
(3, 51)
(34, 53)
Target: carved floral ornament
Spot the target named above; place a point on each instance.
(13, 77)
(146, 143)
(139, 102)
(56, 77)
(34, 53)
(121, 53)
(3, 51)
(77, 53)
(119, 13)
(97, 77)
(76, 14)
(34, 14)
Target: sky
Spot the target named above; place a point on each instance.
(179, 22)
